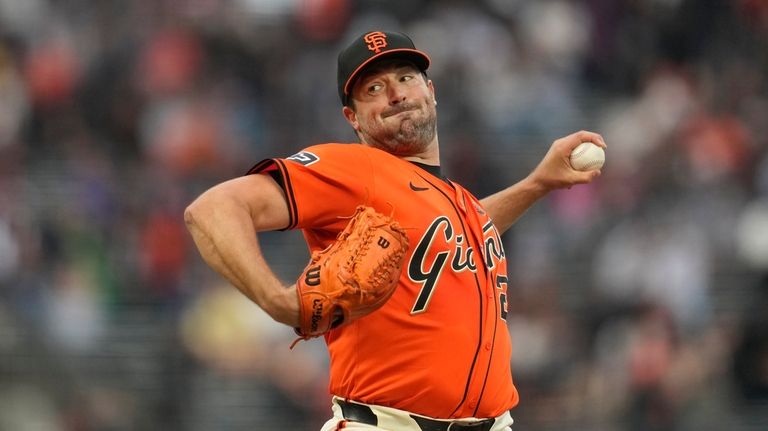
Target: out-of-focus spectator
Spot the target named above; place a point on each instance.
(9, 251)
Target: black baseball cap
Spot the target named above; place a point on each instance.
(372, 46)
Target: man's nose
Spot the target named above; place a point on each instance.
(396, 94)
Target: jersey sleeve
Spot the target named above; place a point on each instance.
(322, 184)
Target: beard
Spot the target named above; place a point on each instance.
(411, 135)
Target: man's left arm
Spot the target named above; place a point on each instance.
(553, 172)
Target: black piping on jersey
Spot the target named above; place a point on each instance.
(284, 181)
(293, 219)
(487, 258)
(480, 295)
(493, 348)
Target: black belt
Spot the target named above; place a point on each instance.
(363, 414)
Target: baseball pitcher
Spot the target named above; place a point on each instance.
(407, 279)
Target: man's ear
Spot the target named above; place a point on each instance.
(351, 117)
(431, 87)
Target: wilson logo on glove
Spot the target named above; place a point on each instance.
(312, 277)
(351, 278)
(383, 243)
(317, 313)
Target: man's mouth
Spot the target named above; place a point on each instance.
(399, 110)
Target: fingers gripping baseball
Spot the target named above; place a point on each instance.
(354, 276)
(556, 169)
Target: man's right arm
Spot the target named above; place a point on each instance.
(224, 222)
(553, 172)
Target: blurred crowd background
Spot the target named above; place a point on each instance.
(639, 302)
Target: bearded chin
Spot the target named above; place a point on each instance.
(412, 137)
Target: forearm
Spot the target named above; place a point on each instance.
(508, 205)
(225, 236)
(553, 172)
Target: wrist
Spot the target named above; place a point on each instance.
(537, 187)
(283, 306)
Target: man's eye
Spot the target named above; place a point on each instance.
(406, 78)
(374, 88)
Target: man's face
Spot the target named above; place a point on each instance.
(394, 108)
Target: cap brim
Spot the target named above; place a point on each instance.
(419, 58)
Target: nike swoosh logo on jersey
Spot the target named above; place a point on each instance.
(416, 188)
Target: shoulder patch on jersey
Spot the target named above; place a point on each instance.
(304, 157)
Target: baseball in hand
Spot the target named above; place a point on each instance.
(587, 156)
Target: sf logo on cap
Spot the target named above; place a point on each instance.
(375, 40)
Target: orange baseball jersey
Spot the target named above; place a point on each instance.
(440, 346)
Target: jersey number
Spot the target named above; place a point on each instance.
(501, 284)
